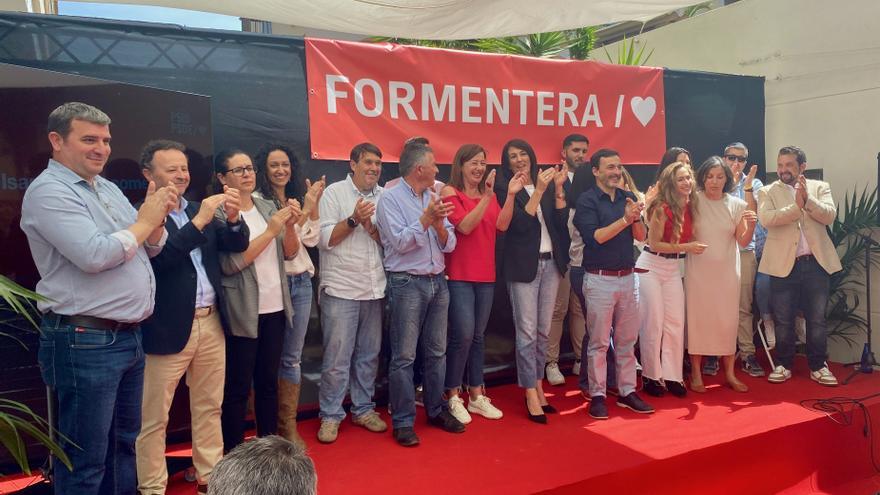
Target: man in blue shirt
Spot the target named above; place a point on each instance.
(91, 249)
(185, 333)
(736, 155)
(609, 219)
(415, 234)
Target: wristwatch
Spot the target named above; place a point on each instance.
(351, 222)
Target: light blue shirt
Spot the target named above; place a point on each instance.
(408, 246)
(89, 263)
(205, 295)
(740, 193)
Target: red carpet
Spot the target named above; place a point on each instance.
(720, 442)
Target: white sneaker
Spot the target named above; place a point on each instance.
(482, 405)
(554, 376)
(824, 377)
(779, 374)
(576, 368)
(800, 329)
(456, 408)
(770, 333)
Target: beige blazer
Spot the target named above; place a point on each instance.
(784, 221)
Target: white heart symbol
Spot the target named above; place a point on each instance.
(643, 108)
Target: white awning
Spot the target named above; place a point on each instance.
(432, 19)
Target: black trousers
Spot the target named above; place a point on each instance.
(252, 361)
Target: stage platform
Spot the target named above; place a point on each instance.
(720, 442)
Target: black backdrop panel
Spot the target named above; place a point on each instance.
(258, 94)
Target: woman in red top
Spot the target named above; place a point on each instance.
(471, 272)
(661, 295)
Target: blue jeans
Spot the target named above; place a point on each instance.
(467, 325)
(421, 304)
(576, 275)
(612, 301)
(295, 337)
(762, 295)
(805, 288)
(99, 378)
(352, 339)
(533, 304)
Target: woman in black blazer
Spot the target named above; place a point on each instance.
(533, 260)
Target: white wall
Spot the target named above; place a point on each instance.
(821, 61)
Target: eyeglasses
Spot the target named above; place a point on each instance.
(239, 171)
(741, 159)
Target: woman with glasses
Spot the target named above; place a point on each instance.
(533, 261)
(257, 302)
(471, 271)
(279, 179)
(723, 223)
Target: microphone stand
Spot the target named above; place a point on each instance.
(867, 363)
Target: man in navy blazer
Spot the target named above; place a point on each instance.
(185, 332)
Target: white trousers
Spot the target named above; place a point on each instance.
(662, 313)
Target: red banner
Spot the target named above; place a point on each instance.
(384, 94)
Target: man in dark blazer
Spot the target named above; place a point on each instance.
(186, 331)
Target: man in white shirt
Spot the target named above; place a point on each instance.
(351, 314)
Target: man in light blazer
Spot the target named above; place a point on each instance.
(799, 257)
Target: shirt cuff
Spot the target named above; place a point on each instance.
(154, 249)
(128, 241)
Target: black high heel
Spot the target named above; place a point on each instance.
(549, 409)
(537, 418)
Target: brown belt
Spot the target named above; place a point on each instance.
(88, 322)
(205, 311)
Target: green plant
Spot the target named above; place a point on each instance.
(859, 212)
(696, 9)
(627, 54)
(16, 419)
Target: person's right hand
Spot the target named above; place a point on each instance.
(207, 210)
(277, 221)
(363, 210)
(157, 204)
(695, 247)
(490, 184)
(544, 178)
(650, 194)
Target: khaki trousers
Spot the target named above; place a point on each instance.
(566, 303)
(204, 362)
(747, 271)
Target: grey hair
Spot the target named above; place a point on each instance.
(61, 118)
(264, 466)
(413, 154)
(736, 146)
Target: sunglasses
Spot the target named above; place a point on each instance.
(741, 159)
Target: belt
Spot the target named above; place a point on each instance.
(616, 273)
(89, 322)
(671, 256)
(806, 257)
(205, 311)
(429, 276)
(545, 256)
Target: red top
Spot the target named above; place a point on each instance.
(687, 228)
(473, 259)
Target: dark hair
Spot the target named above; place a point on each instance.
(602, 153)
(707, 166)
(670, 156)
(221, 160)
(416, 140)
(797, 152)
(465, 153)
(574, 138)
(358, 151)
(506, 172)
(150, 149)
(581, 182)
(295, 187)
(412, 155)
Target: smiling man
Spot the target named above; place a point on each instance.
(800, 258)
(92, 251)
(185, 333)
